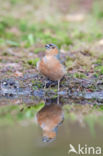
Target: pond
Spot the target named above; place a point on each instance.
(40, 121)
(39, 125)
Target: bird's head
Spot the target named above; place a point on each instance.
(51, 49)
(49, 136)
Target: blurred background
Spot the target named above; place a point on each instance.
(63, 22)
(75, 26)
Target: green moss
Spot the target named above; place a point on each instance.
(55, 90)
(39, 106)
(96, 75)
(69, 62)
(37, 84)
(33, 62)
(79, 75)
(99, 69)
(99, 60)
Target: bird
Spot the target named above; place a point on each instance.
(50, 65)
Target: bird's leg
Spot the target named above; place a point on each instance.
(58, 85)
(44, 85)
(45, 82)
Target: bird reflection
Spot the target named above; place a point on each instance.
(49, 118)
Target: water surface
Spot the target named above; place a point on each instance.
(30, 126)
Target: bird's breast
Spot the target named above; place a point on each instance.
(51, 67)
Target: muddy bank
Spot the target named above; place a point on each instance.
(71, 88)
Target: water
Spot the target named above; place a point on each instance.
(44, 127)
(38, 122)
(19, 140)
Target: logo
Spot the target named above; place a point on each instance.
(82, 150)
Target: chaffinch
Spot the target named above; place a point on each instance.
(50, 65)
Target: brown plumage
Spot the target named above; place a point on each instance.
(50, 65)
